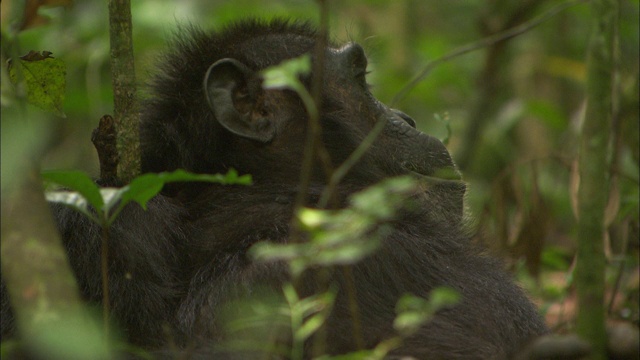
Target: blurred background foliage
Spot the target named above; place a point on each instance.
(514, 110)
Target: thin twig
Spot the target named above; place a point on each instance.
(313, 142)
(105, 280)
(482, 43)
(344, 168)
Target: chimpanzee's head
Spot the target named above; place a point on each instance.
(209, 112)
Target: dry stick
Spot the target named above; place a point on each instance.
(104, 140)
(486, 42)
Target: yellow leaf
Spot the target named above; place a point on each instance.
(44, 78)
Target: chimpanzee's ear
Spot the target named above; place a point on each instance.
(227, 86)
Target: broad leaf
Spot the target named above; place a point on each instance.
(73, 200)
(77, 181)
(45, 80)
(145, 187)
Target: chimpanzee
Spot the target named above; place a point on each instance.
(175, 267)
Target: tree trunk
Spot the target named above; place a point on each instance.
(44, 296)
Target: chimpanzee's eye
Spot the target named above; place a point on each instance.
(361, 78)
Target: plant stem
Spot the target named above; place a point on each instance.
(105, 280)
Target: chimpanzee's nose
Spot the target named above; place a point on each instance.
(405, 117)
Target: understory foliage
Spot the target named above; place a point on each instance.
(511, 113)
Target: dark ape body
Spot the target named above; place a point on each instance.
(175, 266)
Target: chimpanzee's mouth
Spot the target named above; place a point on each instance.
(441, 174)
(417, 152)
(434, 161)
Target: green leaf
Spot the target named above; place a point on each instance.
(108, 202)
(142, 189)
(383, 200)
(267, 251)
(409, 321)
(413, 311)
(444, 119)
(310, 326)
(378, 353)
(112, 198)
(314, 309)
(314, 303)
(45, 80)
(340, 237)
(409, 303)
(555, 258)
(358, 355)
(550, 113)
(230, 178)
(285, 75)
(442, 297)
(312, 218)
(78, 181)
(290, 294)
(73, 200)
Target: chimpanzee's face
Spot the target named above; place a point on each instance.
(271, 124)
(269, 129)
(400, 148)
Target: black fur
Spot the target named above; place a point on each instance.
(176, 266)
